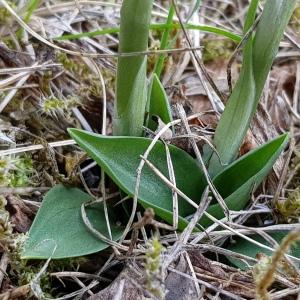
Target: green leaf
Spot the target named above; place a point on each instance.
(235, 119)
(159, 64)
(258, 57)
(236, 182)
(247, 248)
(119, 157)
(251, 14)
(159, 103)
(131, 93)
(58, 230)
(274, 19)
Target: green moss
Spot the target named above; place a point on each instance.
(6, 227)
(295, 20)
(217, 49)
(23, 271)
(4, 15)
(16, 172)
(290, 208)
(9, 42)
(72, 65)
(53, 104)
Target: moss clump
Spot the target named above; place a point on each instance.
(217, 49)
(23, 271)
(6, 227)
(53, 105)
(295, 19)
(72, 65)
(5, 15)
(16, 172)
(290, 208)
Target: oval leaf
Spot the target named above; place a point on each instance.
(120, 156)
(58, 230)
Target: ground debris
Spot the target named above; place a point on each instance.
(20, 214)
(230, 279)
(127, 285)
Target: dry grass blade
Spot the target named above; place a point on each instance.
(174, 194)
(177, 247)
(36, 147)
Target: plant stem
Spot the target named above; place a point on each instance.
(131, 96)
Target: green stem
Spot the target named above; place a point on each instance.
(131, 95)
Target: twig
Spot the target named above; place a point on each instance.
(36, 147)
(12, 92)
(79, 274)
(29, 68)
(174, 194)
(3, 266)
(208, 285)
(104, 117)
